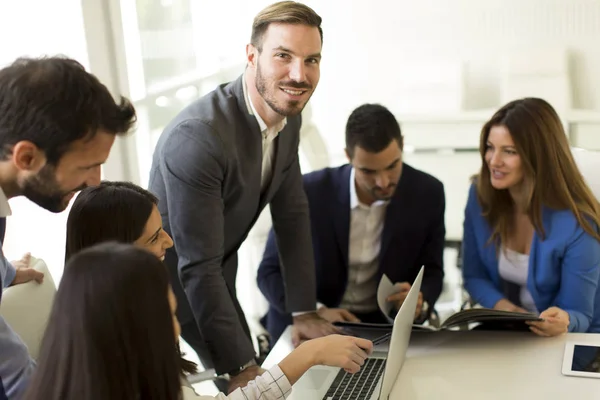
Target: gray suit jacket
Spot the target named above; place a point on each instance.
(206, 172)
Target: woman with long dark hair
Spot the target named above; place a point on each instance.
(531, 240)
(121, 212)
(112, 335)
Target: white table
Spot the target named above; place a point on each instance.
(481, 365)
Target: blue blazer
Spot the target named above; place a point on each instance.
(564, 268)
(413, 235)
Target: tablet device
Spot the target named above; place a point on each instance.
(582, 359)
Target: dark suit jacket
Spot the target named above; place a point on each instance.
(2, 392)
(206, 172)
(413, 235)
(2, 229)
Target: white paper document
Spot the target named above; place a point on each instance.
(385, 289)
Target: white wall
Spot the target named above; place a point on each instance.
(446, 58)
(369, 46)
(35, 28)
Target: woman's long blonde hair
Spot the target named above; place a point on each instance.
(551, 177)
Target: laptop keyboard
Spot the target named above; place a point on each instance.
(357, 386)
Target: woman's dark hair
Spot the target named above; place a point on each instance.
(111, 211)
(110, 333)
(53, 102)
(115, 211)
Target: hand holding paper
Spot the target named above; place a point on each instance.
(400, 292)
(393, 295)
(385, 289)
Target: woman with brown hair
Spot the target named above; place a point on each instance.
(531, 240)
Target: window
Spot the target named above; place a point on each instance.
(175, 52)
(31, 228)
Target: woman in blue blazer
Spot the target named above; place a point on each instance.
(531, 239)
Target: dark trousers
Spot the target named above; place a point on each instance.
(2, 393)
(190, 331)
(191, 334)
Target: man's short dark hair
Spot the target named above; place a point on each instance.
(372, 127)
(283, 12)
(52, 102)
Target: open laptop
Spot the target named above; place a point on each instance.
(377, 376)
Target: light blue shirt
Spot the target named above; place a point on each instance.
(16, 366)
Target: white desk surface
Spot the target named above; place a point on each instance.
(481, 365)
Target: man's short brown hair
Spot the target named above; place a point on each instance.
(283, 12)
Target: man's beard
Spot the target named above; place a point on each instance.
(43, 190)
(378, 195)
(293, 107)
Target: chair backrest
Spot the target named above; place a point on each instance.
(588, 163)
(26, 307)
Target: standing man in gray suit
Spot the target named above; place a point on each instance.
(217, 165)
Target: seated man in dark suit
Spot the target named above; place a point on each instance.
(373, 216)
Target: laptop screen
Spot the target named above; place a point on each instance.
(400, 337)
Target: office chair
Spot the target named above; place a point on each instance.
(26, 307)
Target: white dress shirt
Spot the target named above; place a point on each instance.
(272, 385)
(269, 135)
(366, 227)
